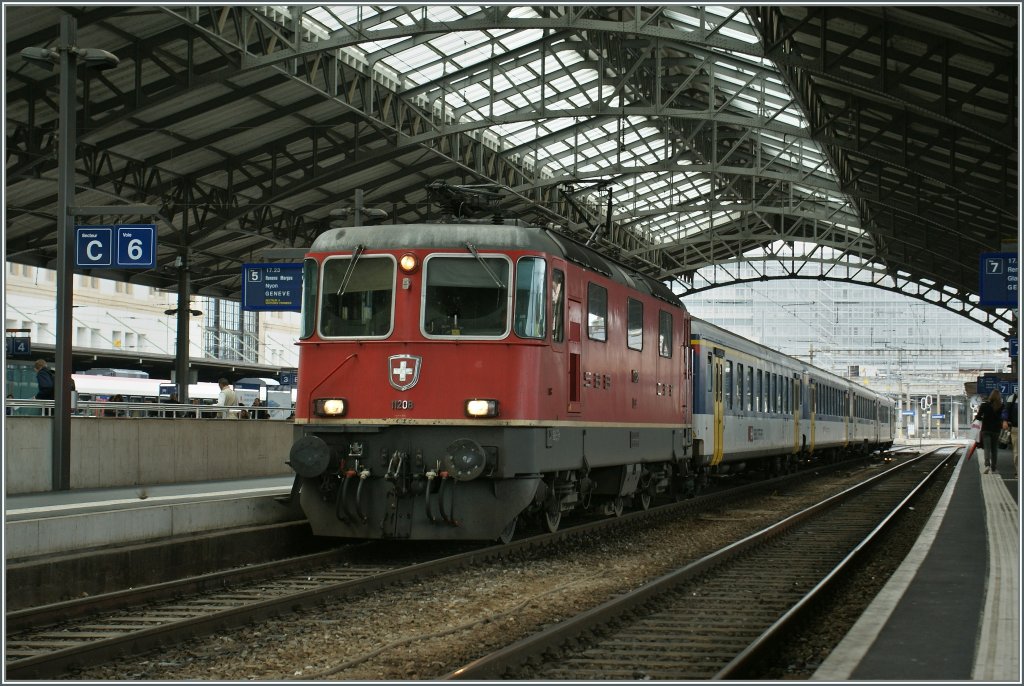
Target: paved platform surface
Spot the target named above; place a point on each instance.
(951, 612)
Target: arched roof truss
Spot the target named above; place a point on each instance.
(866, 143)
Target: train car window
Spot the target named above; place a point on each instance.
(728, 384)
(357, 296)
(634, 324)
(664, 333)
(775, 392)
(739, 386)
(597, 312)
(531, 298)
(750, 388)
(310, 281)
(557, 305)
(758, 397)
(466, 296)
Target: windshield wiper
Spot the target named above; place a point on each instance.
(483, 263)
(349, 271)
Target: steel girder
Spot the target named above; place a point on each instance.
(911, 115)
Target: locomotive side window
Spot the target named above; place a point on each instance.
(357, 296)
(531, 303)
(466, 296)
(597, 312)
(635, 324)
(664, 333)
(310, 280)
(557, 305)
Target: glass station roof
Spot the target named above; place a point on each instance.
(570, 110)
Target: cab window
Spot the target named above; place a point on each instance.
(357, 297)
(531, 301)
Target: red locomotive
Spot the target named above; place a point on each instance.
(456, 377)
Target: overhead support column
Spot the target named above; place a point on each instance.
(181, 359)
(61, 457)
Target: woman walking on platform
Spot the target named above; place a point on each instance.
(991, 415)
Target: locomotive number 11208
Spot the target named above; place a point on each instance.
(401, 405)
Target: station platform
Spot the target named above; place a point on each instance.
(951, 611)
(62, 522)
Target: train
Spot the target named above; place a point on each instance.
(458, 378)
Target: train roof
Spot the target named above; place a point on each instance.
(700, 327)
(484, 236)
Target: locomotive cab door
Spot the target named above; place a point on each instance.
(717, 382)
(575, 354)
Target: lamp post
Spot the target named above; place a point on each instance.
(66, 55)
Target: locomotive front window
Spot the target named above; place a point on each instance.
(531, 303)
(310, 280)
(358, 293)
(466, 296)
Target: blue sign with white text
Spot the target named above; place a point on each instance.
(272, 287)
(131, 246)
(94, 246)
(987, 383)
(19, 346)
(999, 278)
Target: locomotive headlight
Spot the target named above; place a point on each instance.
(481, 408)
(408, 263)
(330, 407)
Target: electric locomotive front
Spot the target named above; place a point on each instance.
(422, 353)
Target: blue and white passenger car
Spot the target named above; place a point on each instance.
(751, 403)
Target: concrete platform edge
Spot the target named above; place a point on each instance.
(76, 532)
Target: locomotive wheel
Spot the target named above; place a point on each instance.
(551, 521)
(509, 532)
(643, 498)
(617, 507)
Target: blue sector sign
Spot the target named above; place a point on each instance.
(272, 287)
(131, 246)
(999, 278)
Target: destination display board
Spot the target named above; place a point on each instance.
(999, 279)
(987, 383)
(272, 286)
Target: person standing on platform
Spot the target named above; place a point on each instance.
(227, 398)
(44, 377)
(991, 415)
(1010, 422)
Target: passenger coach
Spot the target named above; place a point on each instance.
(751, 402)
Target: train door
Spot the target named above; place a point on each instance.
(797, 394)
(850, 413)
(575, 354)
(812, 388)
(717, 383)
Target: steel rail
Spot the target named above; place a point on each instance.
(504, 661)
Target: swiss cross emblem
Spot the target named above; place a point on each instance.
(404, 371)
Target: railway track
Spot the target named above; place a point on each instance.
(47, 642)
(718, 616)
